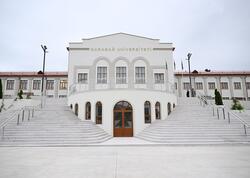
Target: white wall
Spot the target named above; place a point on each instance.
(109, 98)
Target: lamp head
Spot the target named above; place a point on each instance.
(44, 47)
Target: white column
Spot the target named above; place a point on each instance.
(245, 94)
(56, 87)
(179, 86)
(30, 85)
(205, 85)
(218, 80)
(231, 87)
(4, 80)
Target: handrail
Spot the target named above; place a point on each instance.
(239, 118)
(17, 113)
(204, 102)
(9, 119)
(245, 124)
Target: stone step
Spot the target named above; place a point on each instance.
(191, 123)
(62, 137)
(52, 126)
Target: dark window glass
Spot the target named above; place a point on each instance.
(102, 74)
(98, 113)
(157, 110)
(140, 75)
(82, 77)
(147, 112)
(88, 111)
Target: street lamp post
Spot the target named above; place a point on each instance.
(191, 89)
(44, 54)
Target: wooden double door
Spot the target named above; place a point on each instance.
(123, 119)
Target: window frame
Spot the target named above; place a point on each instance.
(82, 78)
(157, 110)
(140, 75)
(10, 84)
(63, 84)
(159, 78)
(237, 85)
(147, 117)
(50, 84)
(211, 84)
(36, 85)
(199, 85)
(88, 111)
(121, 75)
(24, 84)
(248, 85)
(98, 116)
(101, 74)
(186, 85)
(224, 85)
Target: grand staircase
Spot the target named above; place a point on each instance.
(191, 123)
(54, 125)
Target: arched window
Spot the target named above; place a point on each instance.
(98, 113)
(173, 105)
(71, 106)
(169, 108)
(88, 111)
(157, 110)
(76, 109)
(147, 112)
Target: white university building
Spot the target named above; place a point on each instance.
(120, 81)
(124, 82)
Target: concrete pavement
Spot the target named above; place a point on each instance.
(126, 162)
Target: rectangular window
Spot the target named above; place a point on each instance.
(176, 87)
(224, 85)
(50, 85)
(199, 86)
(10, 85)
(211, 85)
(159, 78)
(121, 75)
(83, 78)
(237, 85)
(36, 84)
(186, 86)
(248, 85)
(140, 75)
(102, 74)
(23, 84)
(63, 85)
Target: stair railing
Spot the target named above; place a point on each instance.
(204, 102)
(19, 115)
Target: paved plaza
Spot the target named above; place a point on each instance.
(126, 162)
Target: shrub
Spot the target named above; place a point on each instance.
(218, 98)
(236, 105)
(20, 94)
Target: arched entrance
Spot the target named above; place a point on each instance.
(123, 119)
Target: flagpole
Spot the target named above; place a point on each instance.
(181, 77)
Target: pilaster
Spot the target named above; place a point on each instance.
(245, 94)
(231, 86)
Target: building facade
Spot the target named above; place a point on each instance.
(121, 82)
(55, 84)
(229, 84)
(124, 82)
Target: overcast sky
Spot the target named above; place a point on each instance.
(217, 32)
